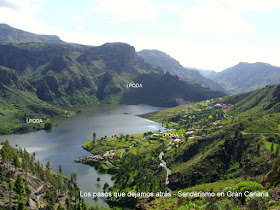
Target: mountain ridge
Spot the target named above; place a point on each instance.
(10, 34)
(90, 74)
(245, 76)
(53, 75)
(166, 62)
(65, 75)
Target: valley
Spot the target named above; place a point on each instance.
(138, 125)
(63, 143)
(215, 146)
(50, 78)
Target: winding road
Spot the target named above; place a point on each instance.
(168, 171)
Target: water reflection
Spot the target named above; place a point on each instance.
(63, 144)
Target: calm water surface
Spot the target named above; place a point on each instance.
(63, 144)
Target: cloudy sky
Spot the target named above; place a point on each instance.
(207, 34)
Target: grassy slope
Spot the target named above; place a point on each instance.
(260, 121)
(71, 64)
(72, 75)
(10, 34)
(246, 77)
(157, 58)
(136, 144)
(17, 106)
(233, 148)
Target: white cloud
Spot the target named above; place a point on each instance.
(77, 19)
(128, 10)
(23, 17)
(86, 39)
(252, 5)
(7, 4)
(214, 17)
(209, 55)
(209, 16)
(175, 7)
(21, 4)
(36, 8)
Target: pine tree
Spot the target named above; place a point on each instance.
(48, 174)
(73, 177)
(24, 166)
(4, 154)
(272, 148)
(106, 185)
(27, 192)
(98, 180)
(50, 197)
(48, 165)
(10, 192)
(60, 207)
(60, 183)
(67, 202)
(19, 188)
(277, 151)
(60, 169)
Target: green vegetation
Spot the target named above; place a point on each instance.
(229, 146)
(271, 146)
(167, 63)
(18, 106)
(26, 184)
(108, 152)
(163, 89)
(71, 75)
(66, 75)
(10, 34)
(222, 145)
(245, 77)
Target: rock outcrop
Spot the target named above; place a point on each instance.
(9, 77)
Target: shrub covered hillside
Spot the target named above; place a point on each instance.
(227, 145)
(26, 184)
(37, 79)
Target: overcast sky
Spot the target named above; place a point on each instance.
(207, 34)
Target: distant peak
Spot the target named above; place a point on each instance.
(152, 51)
(256, 63)
(116, 44)
(4, 25)
(14, 35)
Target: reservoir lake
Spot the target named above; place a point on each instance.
(63, 143)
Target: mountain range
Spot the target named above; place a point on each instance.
(67, 74)
(225, 144)
(64, 74)
(220, 151)
(10, 34)
(245, 77)
(167, 63)
(240, 78)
